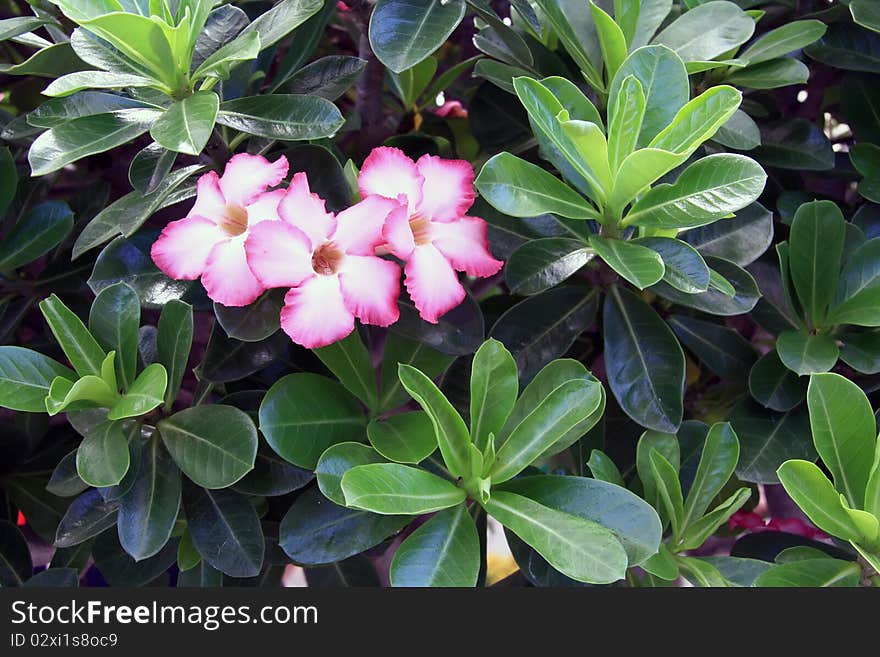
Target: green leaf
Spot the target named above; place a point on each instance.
(544, 109)
(401, 350)
(186, 126)
(774, 385)
(50, 61)
(173, 343)
(718, 460)
(219, 63)
(574, 27)
(540, 264)
(668, 490)
(8, 185)
(403, 32)
(784, 40)
(816, 496)
(349, 361)
(81, 349)
(445, 551)
(392, 489)
(255, 322)
(663, 565)
(625, 122)
(17, 25)
(148, 510)
(866, 14)
(88, 516)
(524, 439)
(740, 133)
(87, 135)
(452, 433)
(611, 40)
(699, 531)
(336, 461)
(722, 350)
(811, 573)
(494, 389)
(665, 84)
(286, 117)
(226, 530)
(578, 548)
(816, 248)
(103, 458)
(776, 73)
(872, 490)
(409, 84)
(631, 519)
(702, 573)
(65, 480)
(637, 172)
(638, 264)
(545, 326)
(146, 393)
(768, 439)
(718, 301)
(707, 31)
(603, 468)
(329, 77)
(645, 363)
(741, 239)
(844, 432)
(283, 18)
(26, 377)
(861, 351)
(698, 120)
(522, 189)
(41, 230)
(806, 353)
(187, 555)
(316, 531)
(706, 191)
(114, 321)
(304, 414)
(214, 445)
(857, 297)
(404, 438)
(84, 80)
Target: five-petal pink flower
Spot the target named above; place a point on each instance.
(430, 229)
(209, 241)
(329, 263)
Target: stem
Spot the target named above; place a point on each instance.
(368, 102)
(482, 531)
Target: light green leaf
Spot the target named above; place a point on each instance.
(404, 438)
(392, 489)
(445, 551)
(698, 120)
(521, 189)
(784, 40)
(638, 264)
(806, 353)
(718, 460)
(74, 82)
(707, 31)
(243, 48)
(146, 393)
(774, 74)
(336, 461)
(578, 548)
(844, 432)
(349, 361)
(611, 40)
(668, 490)
(451, 432)
(114, 321)
(625, 123)
(26, 377)
(494, 389)
(81, 349)
(811, 573)
(102, 458)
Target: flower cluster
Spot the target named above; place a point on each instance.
(242, 237)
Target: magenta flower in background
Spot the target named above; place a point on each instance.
(329, 263)
(430, 230)
(209, 241)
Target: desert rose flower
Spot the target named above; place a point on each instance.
(209, 241)
(329, 263)
(430, 230)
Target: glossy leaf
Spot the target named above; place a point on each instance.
(543, 263)
(638, 264)
(774, 385)
(186, 126)
(722, 350)
(805, 353)
(336, 461)
(349, 361)
(114, 320)
(403, 32)
(768, 439)
(707, 31)
(102, 458)
(286, 117)
(25, 378)
(41, 230)
(494, 389)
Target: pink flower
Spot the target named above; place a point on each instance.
(451, 109)
(329, 263)
(209, 241)
(430, 230)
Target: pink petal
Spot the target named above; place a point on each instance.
(182, 249)
(265, 207)
(247, 176)
(314, 314)
(390, 173)
(278, 254)
(432, 283)
(370, 287)
(398, 234)
(209, 199)
(465, 244)
(305, 210)
(227, 277)
(359, 228)
(448, 191)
